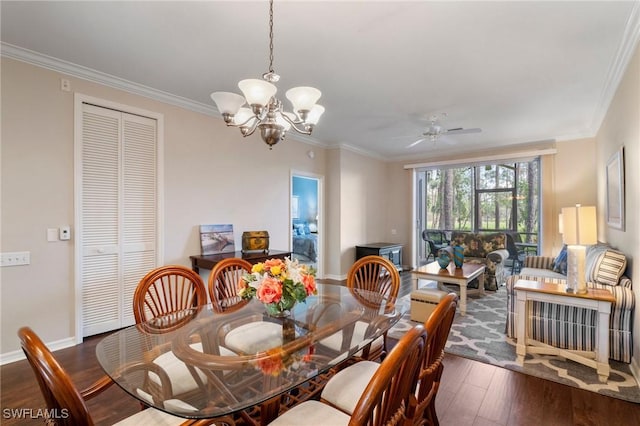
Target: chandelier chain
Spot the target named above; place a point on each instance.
(271, 36)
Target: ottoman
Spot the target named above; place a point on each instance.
(423, 303)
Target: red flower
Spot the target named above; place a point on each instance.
(309, 282)
(271, 365)
(270, 291)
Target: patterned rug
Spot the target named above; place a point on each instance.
(480, 335)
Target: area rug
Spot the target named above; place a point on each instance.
(480, 335)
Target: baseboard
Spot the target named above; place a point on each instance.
(18, 355)
(335, 277)
(635, 369)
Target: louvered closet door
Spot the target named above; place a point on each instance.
(118, 226)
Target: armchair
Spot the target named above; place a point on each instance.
(487, 249)
(436, 240)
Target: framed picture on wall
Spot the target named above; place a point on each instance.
(216, 239)
(615, 190)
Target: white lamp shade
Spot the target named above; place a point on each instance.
(579, 225)
(227, 102)
(242, 116)
(257, 92)
(303, 98)
(314, 115)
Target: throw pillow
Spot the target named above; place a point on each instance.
(560, 262)
(604, 265)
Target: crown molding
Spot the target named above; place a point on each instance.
(68, 68)
(628, 44)
(359, 151)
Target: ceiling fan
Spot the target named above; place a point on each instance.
(435, 130)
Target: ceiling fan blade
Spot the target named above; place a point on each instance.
(415, 143)
(461, 131)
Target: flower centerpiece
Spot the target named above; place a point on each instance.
(279, 284)
(277, 361)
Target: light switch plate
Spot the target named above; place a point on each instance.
(16, 258)
(52, 234)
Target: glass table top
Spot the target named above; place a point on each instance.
(198, 363)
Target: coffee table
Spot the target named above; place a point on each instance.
(596, 299)
(452, 275)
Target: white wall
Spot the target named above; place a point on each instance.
(212, 175)
(622, 127)
(363, 204)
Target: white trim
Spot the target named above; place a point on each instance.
(618, 67)
(484, 159)
(321, 227)
(74, 70)
(68, 68)
(336, 277)
(79, 100)
(415, 261)
(361, 151)
(18, 355)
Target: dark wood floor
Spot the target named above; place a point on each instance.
(472, 393)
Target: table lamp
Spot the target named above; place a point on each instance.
(579, 229)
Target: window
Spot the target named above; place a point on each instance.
(499, 197)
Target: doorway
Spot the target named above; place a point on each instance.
(306, 220)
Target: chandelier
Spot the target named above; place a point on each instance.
(265, 111)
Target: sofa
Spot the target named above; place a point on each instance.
(487, 249)
(571, 327)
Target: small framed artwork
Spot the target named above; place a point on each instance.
(615, 190)
(216, 239)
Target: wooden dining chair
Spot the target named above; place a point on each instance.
(380, 277)
(381, 281)
(167, 289)
(254, 335)
(162, 294)
(223, 283)
(438, 326)
(68, 404)
(342, 390)
(384, 399)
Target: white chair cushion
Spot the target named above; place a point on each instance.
(334, 341)
(254, 337)
(312, 413)
(179, 375)
(345, 388)
(153, 417)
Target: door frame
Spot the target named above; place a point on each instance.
(321, 228)
(79, 100)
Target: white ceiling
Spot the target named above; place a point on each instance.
(522, 71)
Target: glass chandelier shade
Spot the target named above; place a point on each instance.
(265, 111)
(257, 92)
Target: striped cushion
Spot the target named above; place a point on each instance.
(573, 328)
(604, 265)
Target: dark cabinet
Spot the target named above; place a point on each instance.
(391, 251)
(208, 261)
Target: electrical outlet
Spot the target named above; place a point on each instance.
(65, 85)
(16, 258)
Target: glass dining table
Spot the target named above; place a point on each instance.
(198, 363)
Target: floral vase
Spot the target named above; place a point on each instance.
(458, 256)
(281, 309)
(443, 259)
